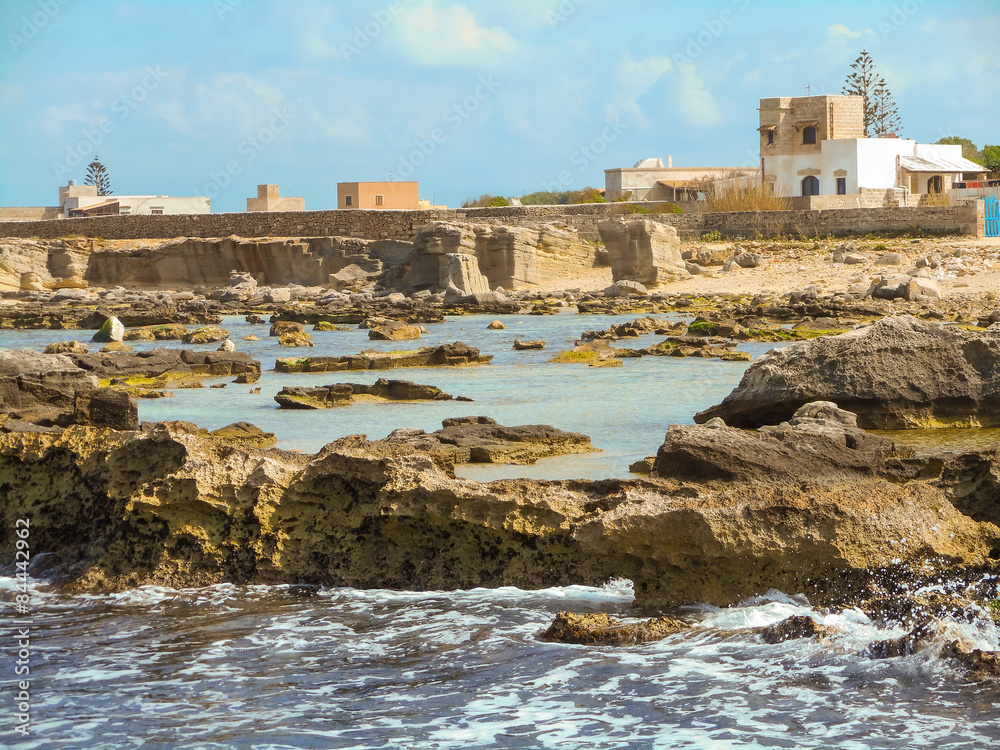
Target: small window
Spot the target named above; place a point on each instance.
(809, 134)
(770, 137)
(841, 186)
(124, 210)
(810, 185)
(379, 201)
(934, 184)
(156, 210)
(348, 200)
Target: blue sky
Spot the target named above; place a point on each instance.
(212, 97)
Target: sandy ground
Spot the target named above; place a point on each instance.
(794, 265)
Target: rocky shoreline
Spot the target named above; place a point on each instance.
(780, 486)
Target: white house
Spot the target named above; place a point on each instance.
(83, 200)
(813, 150)
(650, 180)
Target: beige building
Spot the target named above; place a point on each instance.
(386, 195)
(813, 150)
(83, 200)
(269, 199)
(650, 180)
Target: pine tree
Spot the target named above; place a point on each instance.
(97, 175)
(885, 114)
(862, 83)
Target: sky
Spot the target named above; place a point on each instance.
(213, 97)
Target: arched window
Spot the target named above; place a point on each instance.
(810, 185)
(809, 134)
(934, 184)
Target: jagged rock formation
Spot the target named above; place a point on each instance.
(519, 257)
(473, 258)
(169, 505)
(897, 373)
(641, 250)
(820, 443)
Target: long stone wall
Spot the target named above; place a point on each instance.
(404, 225)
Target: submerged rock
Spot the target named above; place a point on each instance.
(340, 394)
(599, 629)
(445, 355)
(897, 373)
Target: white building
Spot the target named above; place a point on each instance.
(650, 180)
(813, 150)
(83, 200)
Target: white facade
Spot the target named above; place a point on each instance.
(76, 197)
(866, 164)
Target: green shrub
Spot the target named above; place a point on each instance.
(714, 236)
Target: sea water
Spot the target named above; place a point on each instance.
(624, 410)
(276, 667)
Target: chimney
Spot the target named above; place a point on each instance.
(670, 161)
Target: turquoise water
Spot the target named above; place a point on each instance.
(625, 410)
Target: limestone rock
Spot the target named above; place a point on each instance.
(205, 335)
(497, 325)
(227, 346)
(165, 332)
(393, 330)
(522, 345)
(170, 506)
(749, 260)
(448, 355)
(523, 256)
(339, 394)
(66, 347)
(245, 435)
(29, 379)
(106, 408)
(898, 373)
(818, 444)
(600, 629)
(31, 282)
(641, 250)
(625, 288)
(481, 440)
(112, 330)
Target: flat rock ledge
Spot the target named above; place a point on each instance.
(446, 355)
(342, 394)
(898, 373)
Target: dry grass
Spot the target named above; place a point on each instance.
(744, 197)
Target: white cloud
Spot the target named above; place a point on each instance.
(174, 114)
(839, 29)
(633, 79)
(437, 35)
(697, 105)
(54, 118)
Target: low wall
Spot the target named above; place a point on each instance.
(404, 225)
(29, 213)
